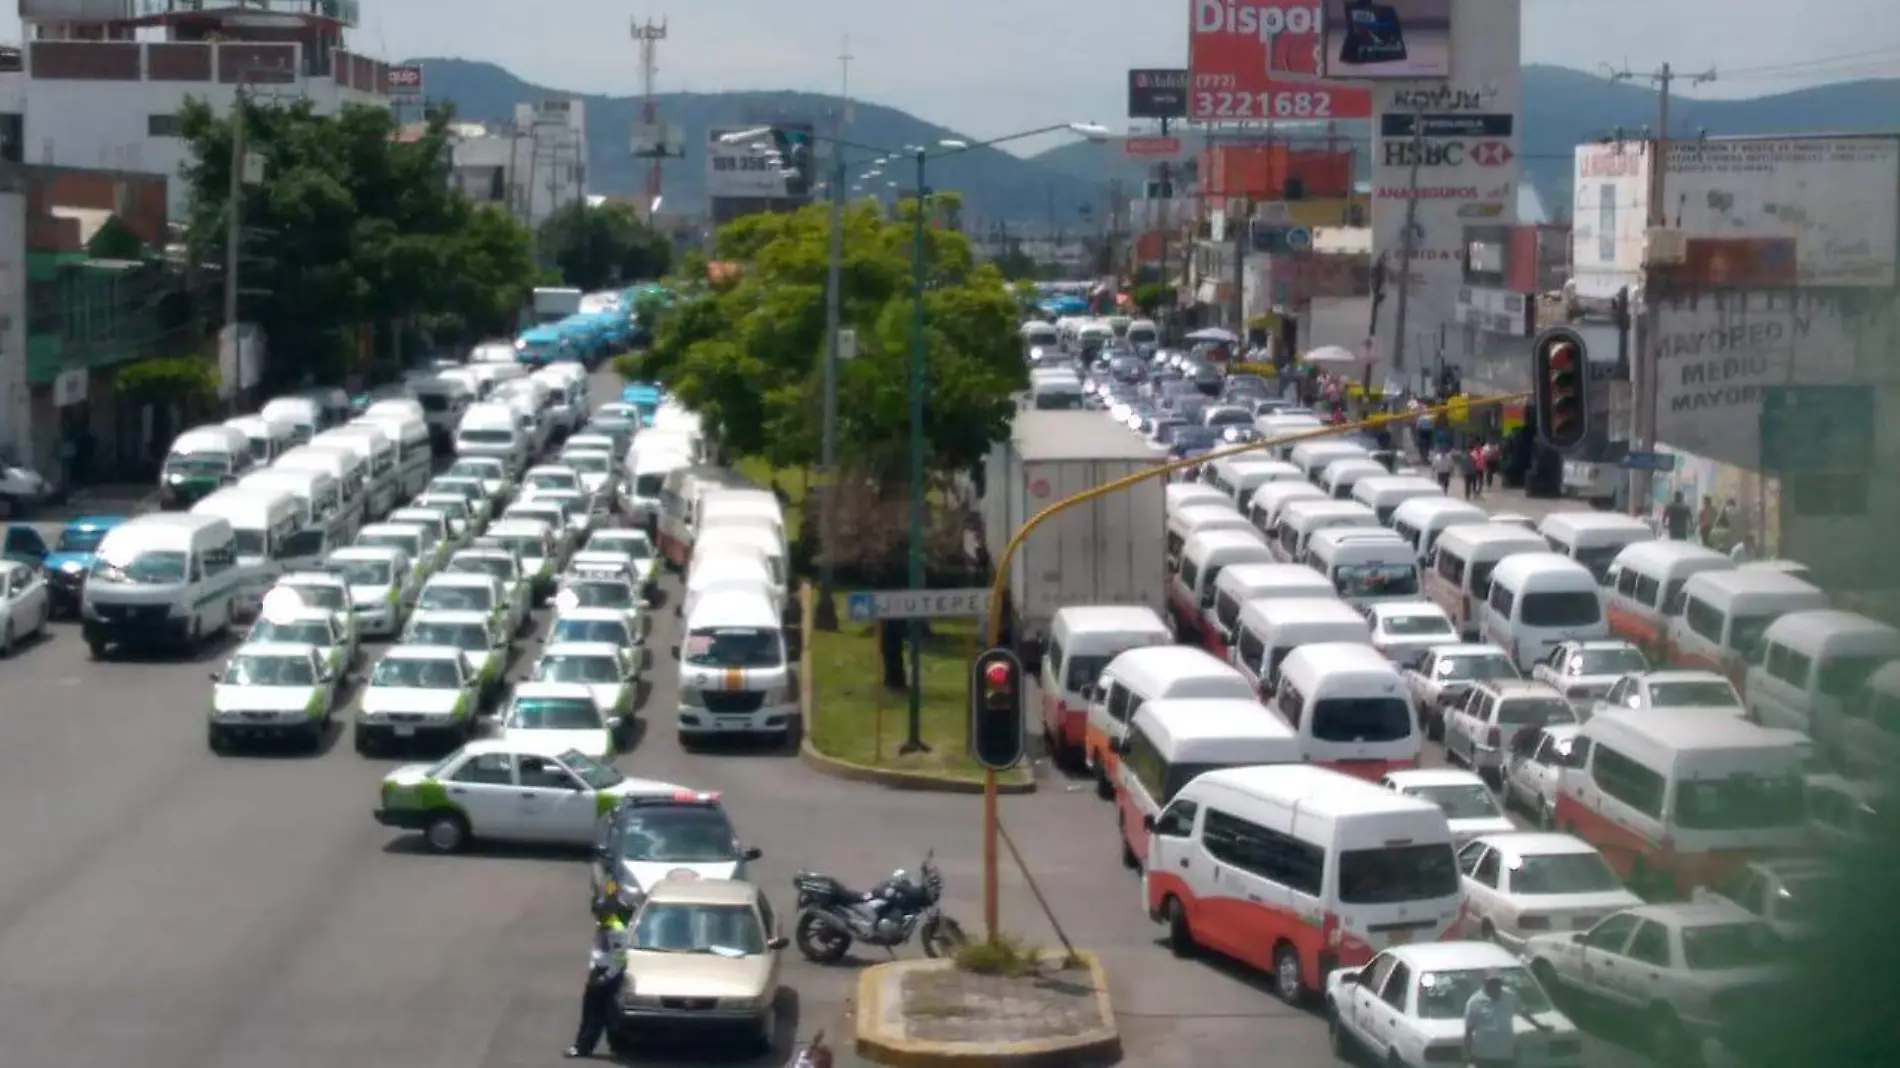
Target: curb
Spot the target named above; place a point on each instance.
(1102, 1046)
(894, 779)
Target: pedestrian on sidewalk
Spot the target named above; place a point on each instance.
(1493, 456)
(1467, 461)
(1441, 469)
(1676, 518)
(1705, 521)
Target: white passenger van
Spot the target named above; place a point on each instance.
(1593, 538)
(161, 581)
(1808, 665)
(269, 438)
(735, 676)
(1055, 389)
(1643, 582)
(563, 410)
(1187, 523)
(374, 449)
(1297, 871)
(648, 463)
(263, 524)
(415, 450)
(1676, 798)
(1350, 708)
(445, 398)
(491, 429)
(1206, 555)
(747, 537)
(1264, 507)
(321, 499)
(1725, 613)
(680, 499)
(1271, 628)
(1342, 475)
(741, 507)
(1137, 677)
(1301, 519)
(1179, 495)
(1421, 520)
(1238, 477)
(302, 413)
(346, 468)
(1870, 732)
(1311, 457)
(1081, 640)
(1172, 743)
(1243, 583)
(736, 570)
(1285, 426)
(1143, 332)
(199, 461)
(1459, 576)
(1366, 567)
(1539, 600)
(1385, 493)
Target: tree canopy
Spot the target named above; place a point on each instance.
(603, 247)
(351, 225)
(748, 352)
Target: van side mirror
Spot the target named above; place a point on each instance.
(1148, 824)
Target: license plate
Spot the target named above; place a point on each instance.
(1399, 937)
(405, 732)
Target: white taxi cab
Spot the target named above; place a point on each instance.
(271, 691)
(418, 693)
(322, 589)
(611, 673)
(483, 645)
(1407, 1008)
(562, 715)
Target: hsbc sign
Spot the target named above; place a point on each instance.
(1447, 153)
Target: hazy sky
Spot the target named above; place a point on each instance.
(988, 67)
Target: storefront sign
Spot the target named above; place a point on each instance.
(1249, 62)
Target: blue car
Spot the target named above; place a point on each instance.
(71, 560)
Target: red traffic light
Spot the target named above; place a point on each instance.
(998, 676)
(1563, 356)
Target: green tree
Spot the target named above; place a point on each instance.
(1017, 265)
(349, 226)
(605, 246)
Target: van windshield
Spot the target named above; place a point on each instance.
(79, 540)
(1057, 402)
(1394, 874)
(1083, 672)
(197, 463)
(488, 437)
(247, 542)
(1560, 610)
(1597, 560)
(1740, 803)
(1376, 580)
(148, 569)
(1361, 719)
(648, 485)
(733, 647)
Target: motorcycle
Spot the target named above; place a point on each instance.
(832, 917)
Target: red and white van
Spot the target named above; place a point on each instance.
(1203, 558)
(1724, 614)
(1351, 709)
(1644, 580)
(1171, 743)
(1242, 584)
(1082, 640)
(1296, 870)
(1137, 677)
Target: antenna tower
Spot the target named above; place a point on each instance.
(650, 34)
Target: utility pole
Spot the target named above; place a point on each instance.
(1407, 247)
(1644, 368)
(1167, 223)
(233, 248)
(826, 616)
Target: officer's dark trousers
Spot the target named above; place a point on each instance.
(597, 1006)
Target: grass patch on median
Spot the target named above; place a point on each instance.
(854, 718)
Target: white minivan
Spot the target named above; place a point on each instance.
(1385, 493)
(1724, 614)
(1311, 457)
(161, 581)
(199, 461)
(491, 429)
(1081, 640)
(374, 447)
(1808, 665)
(1138, 676)
(1350, 708)
(1365, 566)
(1189, 521)
(1269, 501)
(1593, 538)
(1206, 555)
(1299, 520)
(1172, 743)
(735, 675)
(415, 450)
(264, 524)
(1458, 578)
(1421, 520)
(345, 469)
(1643, 581)
(1271, 628)
(1538, 601)
(1243, 583)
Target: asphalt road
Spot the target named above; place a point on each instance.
(166, 907)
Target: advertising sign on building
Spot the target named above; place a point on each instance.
(1497, 311)
(658, 140)
(1369, 39)
(1610, 196)
(1158, 94)
(1445, 159)
(778, 164)
(1261, 62)
(1715, 354)
(405, 80)
(1152, 147)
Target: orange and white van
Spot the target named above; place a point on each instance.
(1082, 640)
(1458, 579)
(1300, 519)
(1264, 507)
(680, 495)
(1724, 613)
(1676, 798)
(1185, 523)
(1137, 677)
(1539, 601)
(1243, 583)
(1171, 743)
(1643, 581)
(1271, 628)
(1296, 871)
(1593, 538)
(1810, 665)
(1351, 709)
(1203, 558)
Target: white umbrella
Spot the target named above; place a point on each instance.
(1327, 355)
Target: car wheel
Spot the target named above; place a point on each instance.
(1180, 936)
(1667, 1041)
(1487, 931)
(216, 741)
(1287, 983)
(98, 650)
(446, 832)
(364, 745)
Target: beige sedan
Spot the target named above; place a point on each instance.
(702, 953)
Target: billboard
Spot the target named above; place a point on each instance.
(1609, 201)
(1409, 39)
(405, 80)
(776, 165)
(1157, 94)
(1260, 62)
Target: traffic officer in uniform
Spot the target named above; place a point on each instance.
(606, 966)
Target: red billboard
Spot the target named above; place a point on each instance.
(1260, 61)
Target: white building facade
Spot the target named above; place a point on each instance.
(532, 166)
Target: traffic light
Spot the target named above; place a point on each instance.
(996, 709)
(1560, 381)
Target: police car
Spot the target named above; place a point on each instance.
(630, 543)
(609, 625)
(415, 693)
(271, 691)
(504, 567)
(382, 586)
(483, 645)
(463, 592)
(508, 790)
(610, 672)
(652, 836)
(564, 715)
(322, 589)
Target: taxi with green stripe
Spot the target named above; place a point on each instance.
(483, 645)
(418, 694)
(563, 714)
(271, 691)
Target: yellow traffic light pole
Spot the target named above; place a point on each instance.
(999, 582)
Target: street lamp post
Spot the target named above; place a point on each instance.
(913, 741)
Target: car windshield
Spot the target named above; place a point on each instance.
(1699, 693)
(600, 594)
(1444, 995)
(722, 930)
(1229, 417)
(299, 632)
(1393, 874)
(696, 834)
(453, 507)
(733, 647)
(637, 546)
(1361, 719)
(263, 669)
(1721, 946)
(1419, 626)
(76, 540)
(148, 569)
(1535, 712)
(439, 673)
(523, 546)
(592, 772)
(1473, 802)
(1608, 662)
(551, 480)
(553, 714)
(1563, 873)
(593, 463)
(648, 485)
(476, 470)
(492, 566)
(1740, 803)
(594, 670)
(1376, 580)
(362, 572)
(318, 595)
(410, 544)
(445, 597)
(462, 486)
(488, 437)
(197, 463)
(610, 631)
(468, 637)
(1475, 667)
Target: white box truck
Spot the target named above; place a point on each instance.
(1110, 550)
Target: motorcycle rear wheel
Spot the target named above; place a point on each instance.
(821, 939)
(942, 937)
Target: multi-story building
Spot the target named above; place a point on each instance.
(101, 82)
(534, 165)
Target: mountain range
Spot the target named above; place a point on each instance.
(1562, 108)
